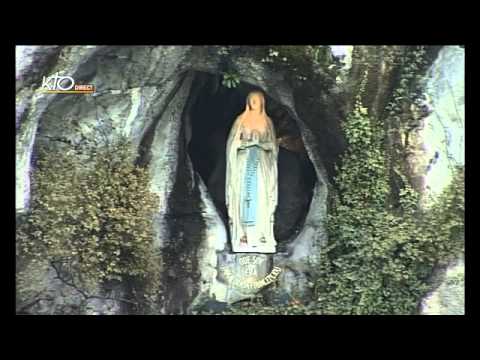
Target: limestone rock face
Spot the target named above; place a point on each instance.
(443, 131)
(152, 94)
(442, 140)
(144, 92)
(437, 145)
(449, 296)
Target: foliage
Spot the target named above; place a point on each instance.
(302, 62)
(257, 306)
(404, 112)
(231, 80)
(382, 252)
(254, 309)
(380, 257)
(95, 224)
(224, 50)
(298, 62)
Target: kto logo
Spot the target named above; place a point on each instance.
(57, 84)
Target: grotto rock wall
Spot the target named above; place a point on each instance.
(441, 141)
(123, 106)
(144, 93)
(436, 145)
(141, 92)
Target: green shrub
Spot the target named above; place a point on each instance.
(380, 256)
(382, 249)
(94, 223)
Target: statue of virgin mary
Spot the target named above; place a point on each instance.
(251, 180)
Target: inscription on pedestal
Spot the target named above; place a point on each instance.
(247, 275)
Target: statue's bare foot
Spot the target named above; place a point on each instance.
(243, 239)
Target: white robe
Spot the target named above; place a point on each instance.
(260, 237)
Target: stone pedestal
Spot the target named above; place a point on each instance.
(243, 276)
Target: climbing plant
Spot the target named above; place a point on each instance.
(402, 115)
(230, 80)
(379, 258)
(381, 251)
(380, 255)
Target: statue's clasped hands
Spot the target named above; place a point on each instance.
(254, 139)
(250, 140)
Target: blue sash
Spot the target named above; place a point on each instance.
(250, 198)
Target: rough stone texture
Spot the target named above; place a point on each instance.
(215, 242)
(123, 105)
(442, 147)
(164, 150)
(141, 93)
(443, 131)
(146, 93)
(48, 295)
(437, 145)
(31, 105)
(449, 296)
(304, 249)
